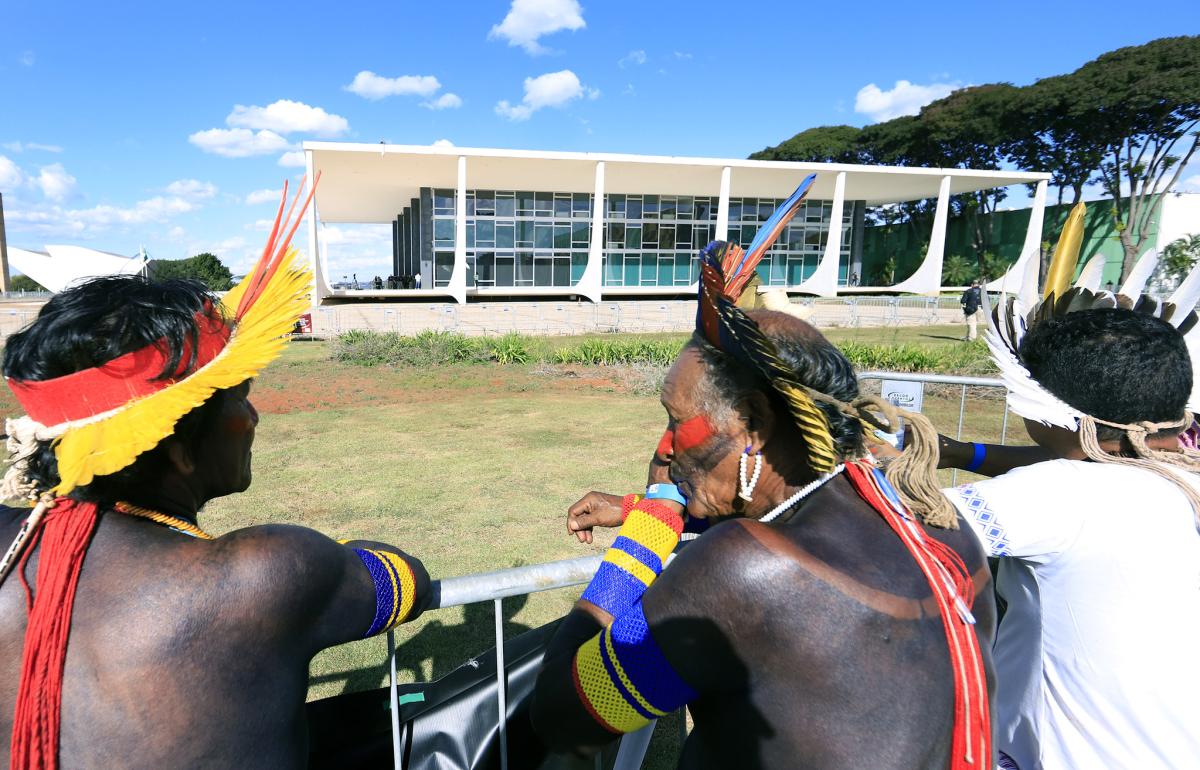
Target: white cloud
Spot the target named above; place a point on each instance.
(55, 183)
(192, 189)
(371, 86)
(26, 58)
(176, 232)
(1188, 184)
(262, 196)
(292, 159)
(904, 98)
(554, 89)
(23, 146)
(238, 142)
(528, 20)
(285, 116)
(443, 143)
(446, 101)
(11, 176)
(682, 55)
(633, 57)
(56, 220)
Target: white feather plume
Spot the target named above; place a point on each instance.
(1185, 297)
(1139, 274)
(1026, 397)
(1093, 271)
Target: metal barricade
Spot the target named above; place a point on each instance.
(949, 379)
(496, 587)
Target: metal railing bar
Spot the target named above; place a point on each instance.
(945, 379)
(501, 682)
(500, 584)
(394, 701)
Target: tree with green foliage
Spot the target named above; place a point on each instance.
(957, 270)
(205, 267)
(1180, 255)
(968, 129)
(1145, 101)
(24, 283)
(824, 144)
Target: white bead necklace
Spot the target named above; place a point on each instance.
(804, 492)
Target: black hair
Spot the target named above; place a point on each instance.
(1116, 365)
(815, 361)
(92, 323)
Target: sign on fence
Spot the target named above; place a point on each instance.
(904, 394)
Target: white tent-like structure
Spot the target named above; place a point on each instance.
(58, 266)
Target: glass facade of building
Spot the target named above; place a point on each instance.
(541, 239)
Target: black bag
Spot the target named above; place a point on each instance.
(450, 724)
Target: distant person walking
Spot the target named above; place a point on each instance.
(417, 280)
(971, 303)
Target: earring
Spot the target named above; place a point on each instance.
(746, 491)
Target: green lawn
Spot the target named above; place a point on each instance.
(470, 467)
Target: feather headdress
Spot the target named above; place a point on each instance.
(1011, 319)
(725, 271)
(102, 419)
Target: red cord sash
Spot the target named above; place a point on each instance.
(65, 533)
(953, 590)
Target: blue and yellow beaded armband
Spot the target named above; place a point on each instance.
(645, 540)
(622, 677)
(395, 588)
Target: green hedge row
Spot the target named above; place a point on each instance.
(430, 348)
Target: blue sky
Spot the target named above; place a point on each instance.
(162, 124)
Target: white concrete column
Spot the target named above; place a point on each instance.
(723, 207)
(321, 287)
(927, 279)
(823, 281)
(458, 274)
(591, 282)
(1011, 281)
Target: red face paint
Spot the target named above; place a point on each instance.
(692, 433)
(665, 445)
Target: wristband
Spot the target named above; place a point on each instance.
(636, 557)
(665, 492)
(978, 458)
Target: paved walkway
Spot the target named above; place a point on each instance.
(566, 318)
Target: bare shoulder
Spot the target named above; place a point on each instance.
(729, 558)
(283, 564)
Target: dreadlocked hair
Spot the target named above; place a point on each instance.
(87, 326)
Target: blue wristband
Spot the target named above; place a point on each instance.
(665, 492)
(978, 458)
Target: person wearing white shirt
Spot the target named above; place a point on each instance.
(1099, 555)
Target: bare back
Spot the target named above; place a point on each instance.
(835, 644)
(185, 652)
(813, 642)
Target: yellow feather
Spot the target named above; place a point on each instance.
(111, 444)
(1066, 254)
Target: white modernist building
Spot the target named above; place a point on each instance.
(58, 267)
(479, 223)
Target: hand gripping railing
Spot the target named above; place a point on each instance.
(496, 587)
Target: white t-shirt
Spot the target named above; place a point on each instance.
(1098, 657)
